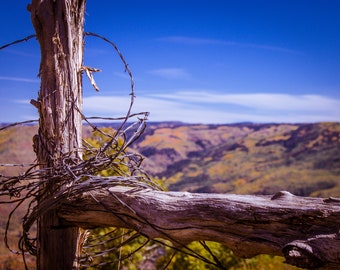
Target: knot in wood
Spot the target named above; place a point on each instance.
(36, 142)
(285, 195)
(332, 200)
(301, 255)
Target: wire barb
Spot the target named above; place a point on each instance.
(71, 177)
(88, 72)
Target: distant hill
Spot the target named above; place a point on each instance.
(237, 158)
(240, 158)
(245, 158)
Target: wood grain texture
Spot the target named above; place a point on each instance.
(304, 230)
(59, 30)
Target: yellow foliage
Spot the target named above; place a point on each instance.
(164, 138)
(218, 170)
(227, 156)
(193, 170)
(175, 178)
(239, 182)
(221, 187)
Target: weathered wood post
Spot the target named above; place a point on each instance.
(59, 30)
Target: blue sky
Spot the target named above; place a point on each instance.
(193, 61)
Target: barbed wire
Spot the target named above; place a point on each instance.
(17, 41)
(72, 177)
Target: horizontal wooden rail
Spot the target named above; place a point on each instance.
(303, 230)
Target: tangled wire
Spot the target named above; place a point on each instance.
(71, 176)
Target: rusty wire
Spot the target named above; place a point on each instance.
(71, 177)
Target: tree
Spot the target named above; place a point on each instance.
(72, 196)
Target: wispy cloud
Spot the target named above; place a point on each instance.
(22, 101)
(205, 107)
(123, 75)
(18, 79)
(23, 53)
(206, 41)
(170, 73)
(195, 41)
(260, 101)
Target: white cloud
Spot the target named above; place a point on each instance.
(207, 41)
(195, 41)
(18, 79)
(22, 101)
(204, 107)
(261, 101)
(123, 75)
(170, 73)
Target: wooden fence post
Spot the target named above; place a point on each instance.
(59, 30)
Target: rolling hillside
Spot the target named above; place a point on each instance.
(245, 158)
(241, 158)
